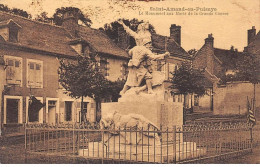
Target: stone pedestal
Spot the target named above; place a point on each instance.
(160, 153)
(151, 106)
(160, 146)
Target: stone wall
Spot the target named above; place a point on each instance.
(231, 99)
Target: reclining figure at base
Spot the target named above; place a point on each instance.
(114, 122)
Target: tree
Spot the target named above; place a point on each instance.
(114, 89)
(43, 18)
(248, 69)
(188, 80)
(57, 16)
(82, 78)
(15, 11)
(111, 29)
(192, 52)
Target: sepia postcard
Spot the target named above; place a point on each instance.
(129, 82)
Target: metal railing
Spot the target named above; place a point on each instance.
(185, 144)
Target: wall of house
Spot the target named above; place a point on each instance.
(204, 104)
(76, 108)
(2, 82)
(4, 32)
(217, 69)
(232, 98)
(200, 60)
(115, 68)
(205, 58)
(51, 87)
(50, 78)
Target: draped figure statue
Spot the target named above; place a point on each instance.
(140, 63)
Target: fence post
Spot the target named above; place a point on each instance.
(102, 130)
(73, 139)
(174, 142)
(251, 138)
(25, 144)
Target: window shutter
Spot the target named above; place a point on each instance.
(78, 105)
(31, 74)
(10, 72)
(38, 75)
(18, 71)
(171, 69)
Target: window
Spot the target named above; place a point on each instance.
(9, 30)
(174, 98)
(68, 110)
(196, 100)
(85, 106)
(171, 69)
(13, 109)
(32, 115)
(179, 98)
(34, 73)
(13, 34)
(92, 105)
(13, 70)
(104, 66)
(159, 65)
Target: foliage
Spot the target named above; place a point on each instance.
(114, 89)
(188, 80)
(15, 11)
(248, 69)
(111, 29)
(57, 16)
(192, 52)
(82, 78)
(43, 18)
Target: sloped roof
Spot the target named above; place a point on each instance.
(55, 39)
(227, 57)
(4, 23)
(165, 43)
(9, 22)
(101, 42)
(41, 36)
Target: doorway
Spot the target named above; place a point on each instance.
(52, 112)
(13, 113)
(12, 109)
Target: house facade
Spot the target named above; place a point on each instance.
(224, 98)
(29, 62)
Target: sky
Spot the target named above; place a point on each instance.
(227, 30)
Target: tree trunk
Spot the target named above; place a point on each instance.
(186, 102)
(191, 106)
(98, 110)
(81, 110)
(254, 106)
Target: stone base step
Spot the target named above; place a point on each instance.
(155, 153)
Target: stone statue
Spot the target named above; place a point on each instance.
(113, 121)
(116, 120)
(140, 64)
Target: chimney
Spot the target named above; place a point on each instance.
(70, 22)
(175, 33)
(210, 40)
(123, 38)
(250, 35)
